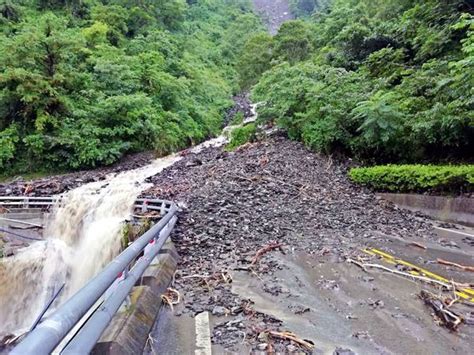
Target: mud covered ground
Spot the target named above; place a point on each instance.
(264, 236)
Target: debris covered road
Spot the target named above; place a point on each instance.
(265, 235)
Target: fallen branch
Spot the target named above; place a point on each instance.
(352, 261)
(406, 274)
(454, 300)
(291, 336)
(150, 342)
(264, 250)
(446, 317)
(218, 277)
(418, 245)
(459, 266)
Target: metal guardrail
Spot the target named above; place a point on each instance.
(28, 202)
(105, 288)
(142, 204)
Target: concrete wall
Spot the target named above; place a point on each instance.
(449, 209)
(128, 332)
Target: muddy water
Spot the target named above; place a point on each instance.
(336, 305)
(82, 235)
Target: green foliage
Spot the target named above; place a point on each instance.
(255, 59)
(293, 42)
(385, 81)
(8, 140)
(84, 82)
(302, 8)
(313, 103)
(416, 178)
(238, 119)
(242, 135)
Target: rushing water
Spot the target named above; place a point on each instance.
(82, 235)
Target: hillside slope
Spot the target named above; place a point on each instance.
(384, 81)
(84, 82)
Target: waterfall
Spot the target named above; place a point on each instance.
(82, 235)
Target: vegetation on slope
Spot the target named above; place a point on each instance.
(83, 82)
(303, 8)
(384, 81)
(242, 135)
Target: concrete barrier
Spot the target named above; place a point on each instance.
(448, 209)
(129, 329)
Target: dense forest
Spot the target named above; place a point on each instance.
(83, 82)
(381, 80)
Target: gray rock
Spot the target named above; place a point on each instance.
(342, 351)
(291, 348)
(219, 311)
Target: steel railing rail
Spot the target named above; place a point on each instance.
(144, 204)
(50, 332)
(88, 336)
(27, 202)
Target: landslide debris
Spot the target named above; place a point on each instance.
(238, 208)
(53, 185)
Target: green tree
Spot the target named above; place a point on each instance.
(293, 42)
(255, 59)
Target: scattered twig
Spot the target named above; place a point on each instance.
(176, 293)
(249, 269)
(174, 278)
(330, 162)
(352, 261)
(220, 277)
(447, 318)
(455, 299)
(172, 297)
(291, 336)
(196, 276)
(418, 245)
(150, 342)
(459, 266)
(264, 250)
(406, 274)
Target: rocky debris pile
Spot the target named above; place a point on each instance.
(274, 13)
(236, 205)
(242, 105)
(58, 184)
